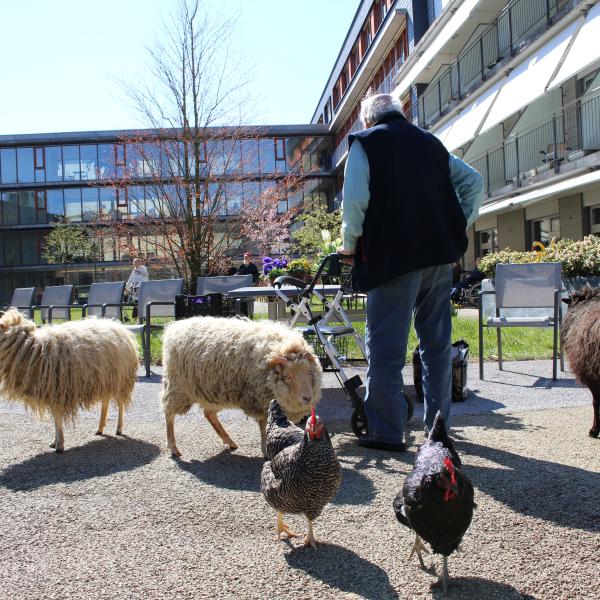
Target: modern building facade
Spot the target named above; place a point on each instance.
(512, 87)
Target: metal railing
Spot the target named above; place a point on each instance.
(342, 147)
(542, 148)
(505, 37)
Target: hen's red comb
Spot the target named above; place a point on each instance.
(313, 416)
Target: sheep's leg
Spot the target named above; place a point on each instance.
(103, 416)
(59, 438)
(262, 425)
(170, 419)
(121, 417)
(212, 418)
(595, 430)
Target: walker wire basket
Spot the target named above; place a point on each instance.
(341, 345)
(210, 305)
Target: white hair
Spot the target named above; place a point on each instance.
(374, 108)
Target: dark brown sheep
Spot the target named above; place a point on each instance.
(580, 341)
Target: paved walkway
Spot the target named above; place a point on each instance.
(118, 518)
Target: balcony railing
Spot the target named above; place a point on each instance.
(342, 147)
(544, 148)
(505, 37)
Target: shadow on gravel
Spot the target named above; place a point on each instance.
(343, 569)
(477, 589)
(567, 496)
(98, 458)
(235, 472)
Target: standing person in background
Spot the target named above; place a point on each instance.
(139, 273)
(406, 206)
(249, 268)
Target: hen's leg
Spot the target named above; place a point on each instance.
(445, 574)
(309, 540)
(283, 528)
(212, 418)
(417, 548)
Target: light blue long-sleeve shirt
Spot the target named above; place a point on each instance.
(467, 182)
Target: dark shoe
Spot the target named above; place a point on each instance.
(368, 442)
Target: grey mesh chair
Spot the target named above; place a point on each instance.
(22, 299)
(105, 300)
(525, 296)
(156, 299)
(225, 283)
(55, 304)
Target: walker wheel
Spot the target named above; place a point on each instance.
(359, 424)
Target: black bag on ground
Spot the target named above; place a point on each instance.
(460, 360)
(210, 305)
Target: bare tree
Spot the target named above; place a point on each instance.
(182, 177)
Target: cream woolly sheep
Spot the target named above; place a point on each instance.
(580, 341)
(236, 363)
(58, 369)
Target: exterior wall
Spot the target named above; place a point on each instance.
(571, 217)
(511, 230)
(469, 257)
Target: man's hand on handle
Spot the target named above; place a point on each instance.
(346, 256)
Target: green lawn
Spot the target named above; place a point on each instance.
(518, 343)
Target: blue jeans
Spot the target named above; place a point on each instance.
(426, 293)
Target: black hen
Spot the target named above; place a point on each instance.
(436, 500)
(302, 473)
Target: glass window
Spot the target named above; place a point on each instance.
(108, 203)
(136, 201)
(250, 162)
(293, 148)
(488, 241)
(151, 160)
(106, 161)
(12, 251)
(10, 208)
(543, 230)
(54, 166)
(25, 165)
(89, 201)
(26, 208)
(231, 156)
(39, 163)
(89, 161)
(29, 248)
(8, 165)
(40, 206)
(266, 151)
(72, 169)
(235, 196)
(73, 204)
(251, 192)
(54, 203)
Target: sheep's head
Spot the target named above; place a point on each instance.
(295, 380)
(582, 295)
(13, 318)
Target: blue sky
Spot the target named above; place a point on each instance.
(62, 59)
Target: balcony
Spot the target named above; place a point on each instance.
(558, 144)
(508, 35)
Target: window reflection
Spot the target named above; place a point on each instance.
(89, 201)
(53, 162)
(106, 161)
(54, 204)
(73, 204)
(10, 208)
(108, 203)
(25, 165)
(89, 161)
(26, 207)
(8, 165)
(72, 169)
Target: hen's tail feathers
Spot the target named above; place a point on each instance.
(399, 510)
(276, 414)
(438, 433)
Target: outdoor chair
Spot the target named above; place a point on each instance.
(105, 300)
(526, 295)
(56, 303)
(156, 299)
(226, 283)
(22, 299)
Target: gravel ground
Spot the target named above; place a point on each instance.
(118, 518)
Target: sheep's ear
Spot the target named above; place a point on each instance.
(567, 301)
(277, 363)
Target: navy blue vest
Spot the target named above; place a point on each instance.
(414, 219)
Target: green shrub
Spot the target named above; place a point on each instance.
(579, 258)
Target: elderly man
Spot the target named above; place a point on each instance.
(406, 206)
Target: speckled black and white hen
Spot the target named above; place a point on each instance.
(302, 473)
(436, 500)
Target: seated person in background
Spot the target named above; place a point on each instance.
(474, 276)
(248, 267)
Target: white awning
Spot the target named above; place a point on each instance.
(528, 81)
(544, 192)
(465, 125)
(584, 50)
